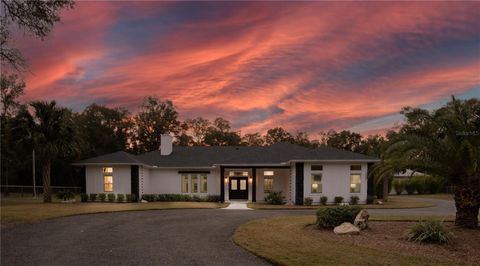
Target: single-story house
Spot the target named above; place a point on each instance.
(234, 172)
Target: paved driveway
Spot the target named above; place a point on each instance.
(166, 237)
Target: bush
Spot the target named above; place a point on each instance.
(371, 199)
(130, 197)
(335, 216)
(338, 199)
(93, 196)
(433, 184)
(84, 197)
(420, 184)
(429, 232)
(102, 197)
(275, 198)
(111, 197)
(65, 195)
(398, 186)
(323, 200)
(354, 200)
(120, 197)
(307, 201)
(213, 198)
(134, 197)
(410, 186)
(148, 197)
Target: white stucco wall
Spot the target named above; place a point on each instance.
(167, 181)
(335, 182)
(121, 179)
(281, 182)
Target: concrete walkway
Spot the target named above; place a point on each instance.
(237, 205)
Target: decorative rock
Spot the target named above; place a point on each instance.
(361, 220)
(346, 229)
(143, 201)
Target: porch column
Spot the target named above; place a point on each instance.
(254, 184)
(222, 183)
(299, 177)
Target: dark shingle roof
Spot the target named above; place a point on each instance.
(119, 157)
(201, 156)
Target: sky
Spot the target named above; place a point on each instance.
(303, 66)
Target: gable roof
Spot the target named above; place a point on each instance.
(208, 156)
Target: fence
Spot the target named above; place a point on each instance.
(28, 190)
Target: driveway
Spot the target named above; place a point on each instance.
(162, 237)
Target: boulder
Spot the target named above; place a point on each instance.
(346, 229)
(143, 201)
(361, 220)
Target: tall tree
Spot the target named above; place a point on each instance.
(445, 143)
(302, 139)
(276, 135)
(35, 17)
(155, 117)
(53, 133)
(11, 87)
(253, 139)
(345, 140)
(220, 134)
(199, 129)
(103, 130)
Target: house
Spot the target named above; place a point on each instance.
(233, 172)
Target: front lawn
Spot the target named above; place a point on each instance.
(26, 210)
(441, 196)
(294, 241)
(394, 202)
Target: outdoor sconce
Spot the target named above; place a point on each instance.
(226, 179)
(250, 179)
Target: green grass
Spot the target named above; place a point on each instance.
(28, 210)
(395, 202)
(284, 241)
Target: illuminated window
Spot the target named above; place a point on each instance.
(355, 167)
(184, 183)
(317, 167)
(108, 183)
(268, 173)
(194, 183)
(317, 183)
(268, 184)
(237, 173)
(204, 183)
(355, 182)
(243, 184)
(233, 184)
(107, 170)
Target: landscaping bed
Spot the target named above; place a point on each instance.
(296, 241)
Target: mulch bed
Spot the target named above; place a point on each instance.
(464, 247)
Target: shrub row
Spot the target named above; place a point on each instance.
(110, 197)
(324, 199)
(180, 197)
(275, 198)
(418, 184)
(335, 216)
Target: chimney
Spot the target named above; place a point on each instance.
(166, 146)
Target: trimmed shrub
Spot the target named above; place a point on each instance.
(130, 197)
(354, 200)
(371, 199)
(111, 197)
(420, 184)
(433, 184)
(275, 198)
(398, 186)
(410, 186)
(65, 195)
(338, 199)
(120, 197)
(429, 232)
(93, 196)
(323, 200)
(307, 201)
(84, 197)
(134, 197)
(335, 216)
(102, 196)
(213, 198)
(148, 197)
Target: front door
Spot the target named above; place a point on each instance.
(238, 188)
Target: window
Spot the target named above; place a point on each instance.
(194, 179)
(237, 173)
(355, 167)
(184, 183)
(268, 173)
(268, 184)
(204, 183)
(317, 167)
(243, 184)
(233, 184)
(316, 183)
(107, 170)
(108, 183)
(355, 181)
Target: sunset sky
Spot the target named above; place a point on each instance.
(307, 66)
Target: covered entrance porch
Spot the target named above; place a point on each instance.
(253, 183)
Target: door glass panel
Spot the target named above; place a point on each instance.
(243, 184)
(233, 184)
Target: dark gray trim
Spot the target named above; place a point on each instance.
(194, 172)
(299, 177)
(134, 182)
(254, 184)
(222, 184)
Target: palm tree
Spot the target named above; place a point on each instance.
(53, 135)
(446, 143)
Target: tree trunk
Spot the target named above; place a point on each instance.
(47, 193)
(385, 189)
(467, 202)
